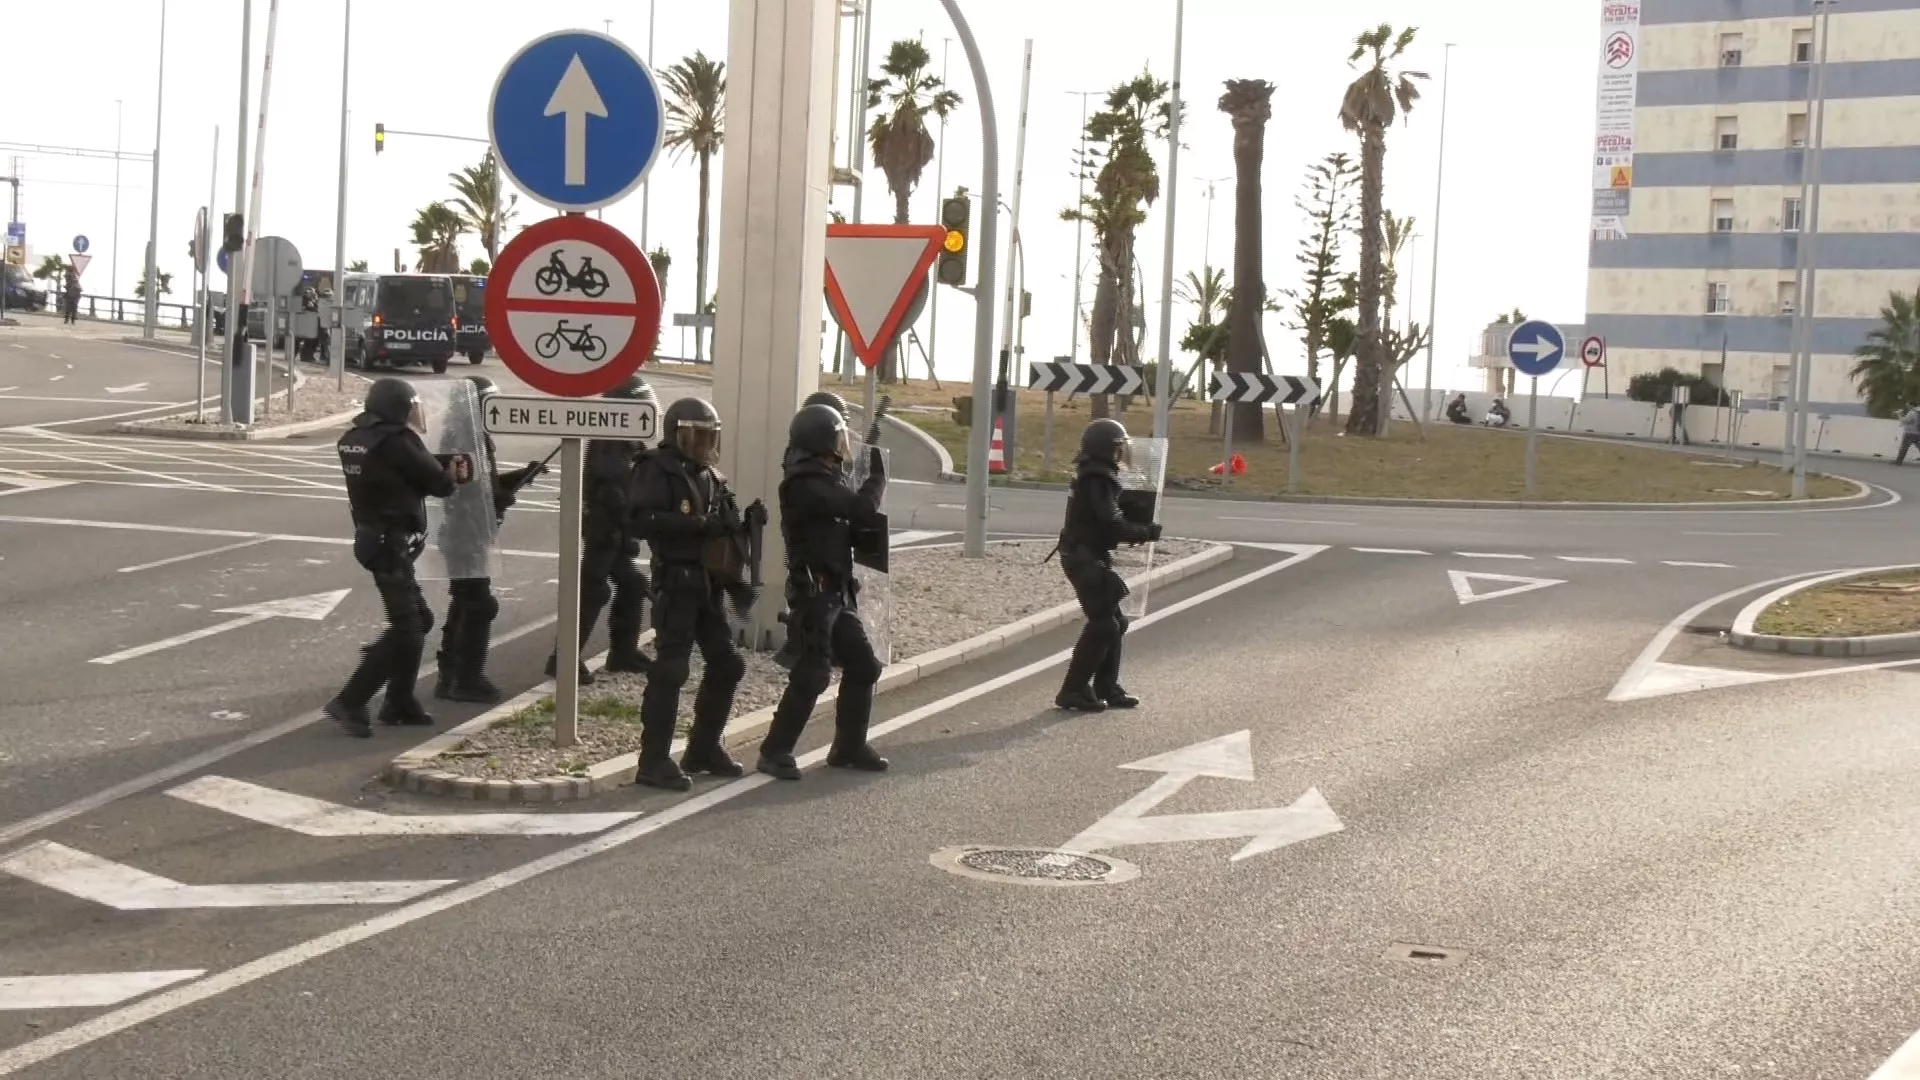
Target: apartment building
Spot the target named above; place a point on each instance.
(1702, 135)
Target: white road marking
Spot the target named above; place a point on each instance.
(236, 534)
(19, 1057)
(913, 536)
(1293, 521)
(1392, 551)
(1463, 585)
(56, 378)
(82, 400)
(178, 457)
(1594, 559)
(1702, 565)
(1729, 534)
(125, 888)
(31, 992)
(1492, 555)
(1903, 1065)
(312, 608)
(196, 555)
(8, 389)
(313, 817)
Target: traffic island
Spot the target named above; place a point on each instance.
(1848, 613)
(317, 404)
(946, 611)
(1446, 463)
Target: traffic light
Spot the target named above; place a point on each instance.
(956, 215)
(193, 251)
(234, 234)
(379, 137)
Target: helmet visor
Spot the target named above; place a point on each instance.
(417, 417)
(1123, 453)
(843, 446)
(701, 444)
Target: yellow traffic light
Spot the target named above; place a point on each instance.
(956, 241)
(379, 137)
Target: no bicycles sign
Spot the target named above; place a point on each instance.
(573, 306)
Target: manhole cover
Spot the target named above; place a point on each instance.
(1033, 866)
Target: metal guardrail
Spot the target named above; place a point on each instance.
(121, 309)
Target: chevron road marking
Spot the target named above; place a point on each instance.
(124, 888)
(32, 992)
(313, 817)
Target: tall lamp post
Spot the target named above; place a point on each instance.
(1803, 382)
(1433, 275)
(338, 351)
(1079, 224)
(151, 317)
(1163, 388)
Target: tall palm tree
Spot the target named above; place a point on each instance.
(1250, 103)
(906, 91)
(697, 124)
(1206, 336)
(436, 230)
(1887, 371)
(1371, 104)
(52, 268)
(484, 207)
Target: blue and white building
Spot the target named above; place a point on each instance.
(1703, 130)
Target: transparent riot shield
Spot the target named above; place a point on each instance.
(871, 565)
(460, 528)
(1141, 482)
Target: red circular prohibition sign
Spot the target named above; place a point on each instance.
(501, 305)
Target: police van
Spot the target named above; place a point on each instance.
(470, 303)
(393, 320)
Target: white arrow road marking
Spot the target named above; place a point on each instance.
(22, 992)
(221, 550)
(576, 98)
(1463, 585)
(312, 608)
(131, 389)
(1229, 757)
(313, 817)
(124, 888)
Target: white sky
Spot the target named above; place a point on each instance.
(1520, 127)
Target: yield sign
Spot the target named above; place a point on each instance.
(873, 272)
(1463, 585)
(79, 262)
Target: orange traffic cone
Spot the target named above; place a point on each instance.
(1239, 467)
(997, 453)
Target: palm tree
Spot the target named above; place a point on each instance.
(1126, 182)
(140, 287)
(1399, 231)
(484, 208)
(1371, 104)
(905, 91)
(1250, 103)
(696, 124)
(1887, 372)
(437, 229)
(51, 268)
(357, 266)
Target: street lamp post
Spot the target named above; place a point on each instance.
(151, 317)
(1163, 389)
(939, 193)
(1079, 223)
(1433, 275)
(1823, 12)
(338, 357)
(113, 269)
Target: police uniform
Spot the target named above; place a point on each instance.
(389, 476)
(609, 546)
(678, 504)
(789, 653)
(471, 605)
(819, 512)
(1093, 528)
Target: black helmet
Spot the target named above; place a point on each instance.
(828, 398)
(392, 400)
(483, 385)
(632, 388)
(1104, 440)
(692, 426)
(818, 430)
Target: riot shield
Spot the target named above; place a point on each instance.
(460, 528)
(1141, 482)
(871, 565)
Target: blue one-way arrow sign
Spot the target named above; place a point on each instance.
(1536, 348)
(576, 120)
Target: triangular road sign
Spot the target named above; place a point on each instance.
(79, 262)
(873, 272)
(1463, 585)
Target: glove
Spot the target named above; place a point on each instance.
(534, 470)
(876, 462)
(714, 525)
(756, 514)
(1153, 532)
(461, 467)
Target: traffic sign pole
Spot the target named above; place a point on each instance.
(1533, 430)
(566, 672)
(1535, 348)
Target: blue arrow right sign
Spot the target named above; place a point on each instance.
(1536, 348)
(576, 120)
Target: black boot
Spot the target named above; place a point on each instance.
(662, 773)
(404, 714)
(352, 719)
(1079, 699)
(658, 711)
(712, 759)
(443, 682)
(1106, 681)
(553, 671)
(861, 757)
(780, 766)
(629, 661)
(1118, 698)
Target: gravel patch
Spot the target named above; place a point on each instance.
(939, 599)
(315, 399)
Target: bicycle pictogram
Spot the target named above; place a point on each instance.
(581, 340)
(554, 276)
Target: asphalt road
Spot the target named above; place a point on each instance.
(1573, 838)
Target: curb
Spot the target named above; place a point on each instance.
(147, 428)
(1743, 636)
(413, 771)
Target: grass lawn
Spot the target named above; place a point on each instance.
(1450, 463)
(1850, 607)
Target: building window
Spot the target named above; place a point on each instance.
(1797, 130)
(1714, 373)
(1726, 132)
(1790, 214)
(1803, 46)
(1782, 381)
(1786, 296)
(1730, 50)
(1718, 302)
(1723, 215)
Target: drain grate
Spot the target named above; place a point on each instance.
(1045, 867)
(1426, 955)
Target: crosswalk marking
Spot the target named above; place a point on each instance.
(314, 817)
(124, 888)
(92, 991)
(1594, 559)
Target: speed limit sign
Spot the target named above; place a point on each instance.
(1593, 352)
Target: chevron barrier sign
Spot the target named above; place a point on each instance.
(1083, 378)
(1253, 387)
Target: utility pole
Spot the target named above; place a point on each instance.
(1433, 275)
(1163, 391)
(337, 307)
(1079, 224)
(863, 58)
(237, 318)
(113, 268)
(1003, 396)
(150, 320)
(1823, 11)
(988, 249)
(939, 194)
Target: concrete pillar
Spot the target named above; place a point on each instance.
(772, 251)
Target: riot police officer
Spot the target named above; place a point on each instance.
(609, 546)
(471, 605)
(789, 653)
(828, 398)
(1094, 527)
(308, 347)
(389, 475)
(683, 509)
(819, 513)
